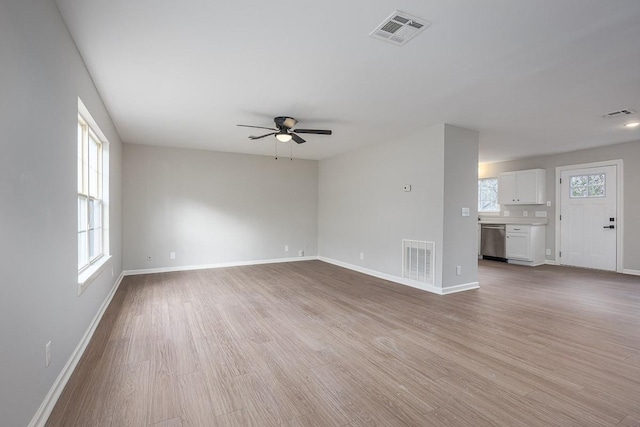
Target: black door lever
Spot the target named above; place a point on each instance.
(609, 226)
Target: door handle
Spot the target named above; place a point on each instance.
(609, 226)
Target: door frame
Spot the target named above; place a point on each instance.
(619, 206)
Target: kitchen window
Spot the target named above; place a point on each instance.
(488, 195)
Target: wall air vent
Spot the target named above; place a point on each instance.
(619, 113)
(418, 260)
(399, 28)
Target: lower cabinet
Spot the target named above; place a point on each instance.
(525, 244)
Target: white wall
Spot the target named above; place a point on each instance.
(630, 155)
(363, 208)
(460, 233)
(212, 207)
(41, 77)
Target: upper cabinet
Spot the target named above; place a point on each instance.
(526, 187)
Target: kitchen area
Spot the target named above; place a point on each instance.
(516, 233)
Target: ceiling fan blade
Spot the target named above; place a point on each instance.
(257, 127)
(316, 131)
(296, 138)
(263, 136)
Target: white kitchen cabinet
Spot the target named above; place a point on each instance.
(527, 187)
(525, 244)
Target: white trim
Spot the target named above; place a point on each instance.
(460, 288)
(400, 280)
(89, 275)
(218, 265)
(50, 400)
(619, 207)
(550, 262)
(632, 272)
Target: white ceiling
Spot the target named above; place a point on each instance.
(533, 77)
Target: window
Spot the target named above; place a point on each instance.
(90, 206)
(582, 186)
(488, 195)
(93, 198)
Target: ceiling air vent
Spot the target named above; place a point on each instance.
(619, 113)
(399, 28)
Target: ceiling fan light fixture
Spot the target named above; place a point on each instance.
(283, 137)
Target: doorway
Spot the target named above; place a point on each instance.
(589, 215)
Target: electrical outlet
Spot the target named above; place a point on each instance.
(301, 253)
(547, 252)
(525, 213)
(286, 248)
(458, 270)
(112, 272)
(172, 255)
(149, 258)
(361, 255)
(47, 354)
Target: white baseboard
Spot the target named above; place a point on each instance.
(218, 265)
(41, 416)
(550, 262)
(632, 272)
(460, 288)
(401, 280)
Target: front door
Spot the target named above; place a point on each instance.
(588, 224)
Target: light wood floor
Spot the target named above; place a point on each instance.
(311, 344)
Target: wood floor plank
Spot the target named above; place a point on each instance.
(132, 404)
(174, 422)
(312, 344)
(629, 422)
(195, 400)
(164, 392)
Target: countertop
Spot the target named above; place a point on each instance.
(526, 220)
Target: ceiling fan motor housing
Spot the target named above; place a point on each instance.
(285, 122)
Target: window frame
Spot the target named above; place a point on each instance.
(483, 211)
(93, 191)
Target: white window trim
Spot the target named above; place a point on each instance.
(89, 273)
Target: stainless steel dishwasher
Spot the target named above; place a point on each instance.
(492, 242)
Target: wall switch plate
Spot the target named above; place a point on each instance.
(541, 214)
(506, 213)
(172, 255)
(525, 213)
(286, 248)
(547, 252)
(300, 253)
(406, 188)
(361, 255)
(458, 270)
(465, 211)
(149, 258)
(47, 354)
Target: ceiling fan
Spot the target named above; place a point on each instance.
(284, 132)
